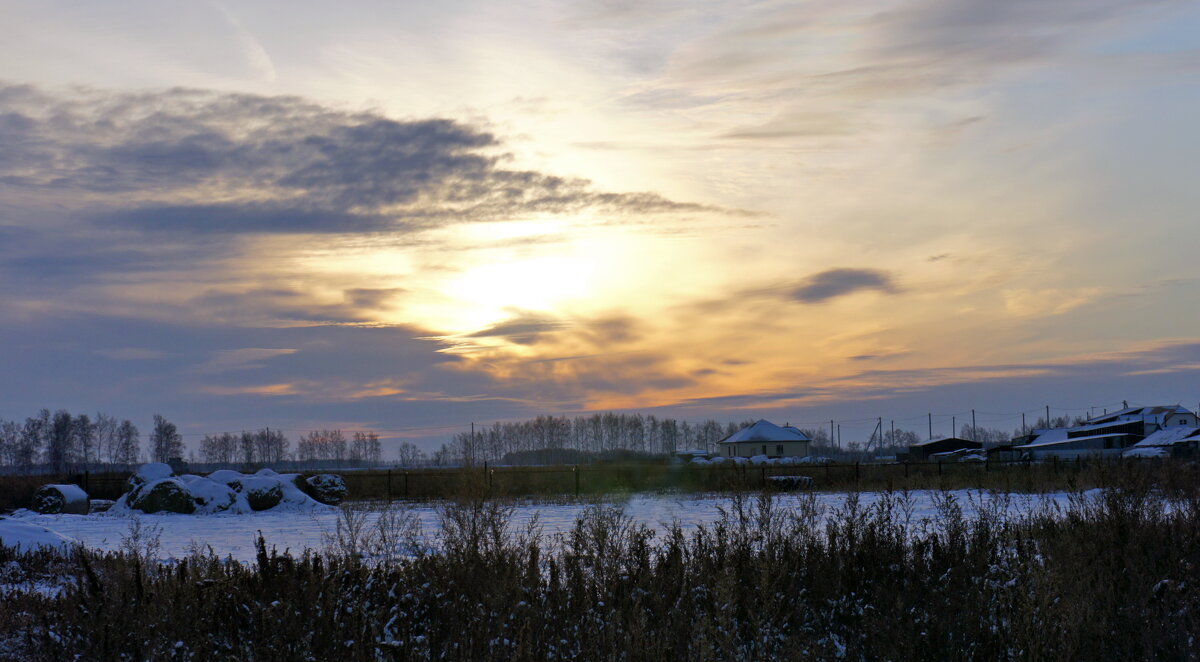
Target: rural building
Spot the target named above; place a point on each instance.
(765, 438)
(1172, 441)
(926, 450)
(1108, 434)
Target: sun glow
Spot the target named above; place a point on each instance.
(498, 289)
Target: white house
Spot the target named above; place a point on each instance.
(1108, 434)
(765, 438)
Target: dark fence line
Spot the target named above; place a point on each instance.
(578, 480)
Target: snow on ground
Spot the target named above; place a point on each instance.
(28, 536)
(234, 534)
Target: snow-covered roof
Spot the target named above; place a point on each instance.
(1169, 436)
(1039, 443)
(1151, 412)
(927, 442)
(1047, 437)
(765, 430)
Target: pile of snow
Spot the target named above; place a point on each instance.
(757, 460)
(57, 499)
(28, 537)
(153, 489)
(1147, 451)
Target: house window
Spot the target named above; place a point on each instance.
(779, 450)
(764, 449)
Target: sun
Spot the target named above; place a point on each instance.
(494, 290)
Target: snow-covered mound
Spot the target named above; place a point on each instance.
(28, 537)
(221, 492)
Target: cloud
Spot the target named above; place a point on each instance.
(208, 162)
(132, 354)
(834, 283)
(522, 330)
(247, 358)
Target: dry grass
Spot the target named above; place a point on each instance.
(1113, 578)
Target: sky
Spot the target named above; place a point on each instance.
(408, 217)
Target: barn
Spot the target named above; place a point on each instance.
(925, 450)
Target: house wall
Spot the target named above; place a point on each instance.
(1085, 446)
(772, 448)
(1180, 419)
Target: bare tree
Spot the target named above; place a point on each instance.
(127, 445)
(105, 428)
(219, 449)
(84, 443)
(165, 440)
(408, 455)
(10, 442)
(60, 441)
(33, 436)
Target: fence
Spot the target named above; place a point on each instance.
(579, 480)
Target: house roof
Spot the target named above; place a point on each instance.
(1057, 441)
(1169, 436)
(1047, 437)
(942, 440)
(765, 430)
(1148, 412)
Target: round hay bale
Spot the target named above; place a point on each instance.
(148, 473)
(61, 499)
(329, 489)
(262, 496)
(209, 495)
(163, 495)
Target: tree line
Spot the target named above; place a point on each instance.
(597, 433)
(63, 441)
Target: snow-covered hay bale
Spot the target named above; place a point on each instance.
(262, 492)
(148, 473)
(211, 496)
(790, 483)
(60, 499)
(29, 537)
(329, 489)
(163, 495)
(101, 505)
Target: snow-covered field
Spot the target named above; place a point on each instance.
(296, 530)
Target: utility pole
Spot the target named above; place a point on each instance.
(831, 437)
(953, 426)
(974, 430)
(1048, 426)
(839, 441)
(893, 432)
(930, 425)
(1024, 430)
